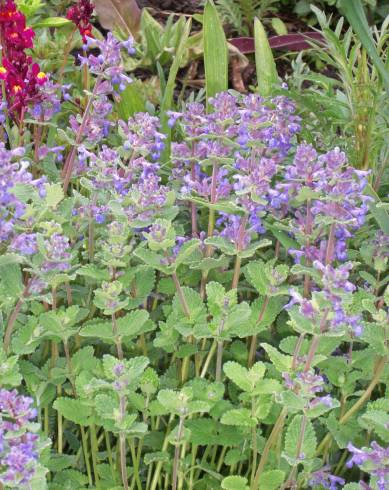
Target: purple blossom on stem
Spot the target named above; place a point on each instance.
(324, 478)
(18, 446)
(373, 460)
(25, 244)
(143, 136)
(337, 201)
(13, 173)
(108, 64)
(57, 254)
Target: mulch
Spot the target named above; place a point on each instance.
(173, 6)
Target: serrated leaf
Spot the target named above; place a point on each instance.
(271, 480)
(239, 416)
(131, 324)
(158, 456)
(74, 410)
(293, 436)
(244, 378)
(54, 194)
(280, 361)
(93, 272)
(235, 483)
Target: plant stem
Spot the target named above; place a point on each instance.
(69, 164)
(253, 442)
(208, 360)
(219, 361)
(269, 444)
(94, 451)
(118, 342)
(86, 456)
(330, 245)
(123, 463)
(181, 295)
(253, 343)
(158, 468)
(211, 225)
(13, 317)
(235, 279)
(177, 453)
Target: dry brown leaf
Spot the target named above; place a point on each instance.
(119, 14)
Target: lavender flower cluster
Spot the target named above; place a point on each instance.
(14, 173)
(18, 445)
(373, 460)
(244, 140)
(111, 80)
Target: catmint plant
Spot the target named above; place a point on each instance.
(194, 299)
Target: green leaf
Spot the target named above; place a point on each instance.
(245, 379)
(175, 402)
(215, 52)
(293, 436)
(282, 237)
(132, 100)
(9, 371)
(221, 243)
(132, 324)
(74, 410)
(266, 68)
(8, 259)
(51, 22)
(167, 100)
(279, 26)
(98, 329)
(271, 480)
(186, 251)
(280, 361)
(357, 18)
(12, 280)
(158, 456)
(235, 483)
(380, 214)
(239, 416)
(342, 433)
(54, 194)
(93, 272)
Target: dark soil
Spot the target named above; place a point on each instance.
(176, 6)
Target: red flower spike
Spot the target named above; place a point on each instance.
(22, 77)
(80, 15)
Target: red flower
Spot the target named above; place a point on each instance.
(22, 77)
(80, 15)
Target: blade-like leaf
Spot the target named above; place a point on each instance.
(51, 22)
(215, 52)
(264, 61)
(167, 101)
(131, 101)
(119, 14)
(353, 10)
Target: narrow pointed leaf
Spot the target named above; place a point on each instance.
(266, 67)
(215, 52)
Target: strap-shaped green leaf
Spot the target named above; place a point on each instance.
(264, 61)
(215, 52)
